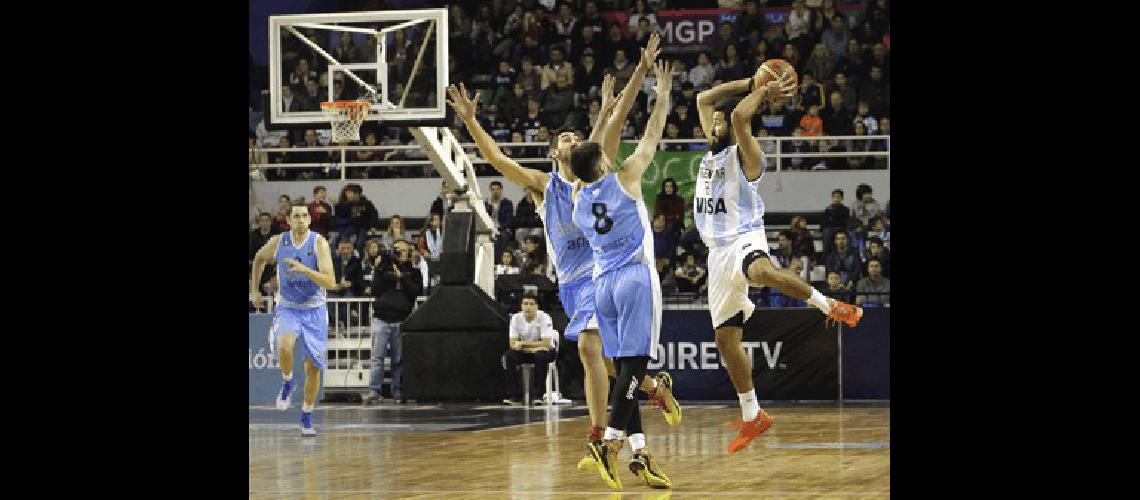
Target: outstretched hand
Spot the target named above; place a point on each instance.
(609, 100)
(663, 70)
(458, 101)
(650, 52)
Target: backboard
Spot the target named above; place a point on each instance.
(397, 59)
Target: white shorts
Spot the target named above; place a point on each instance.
(728, 287)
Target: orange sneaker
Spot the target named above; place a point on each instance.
(847, 313)
(748, 430)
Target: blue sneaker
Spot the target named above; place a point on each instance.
(285, 396)
(307, 429)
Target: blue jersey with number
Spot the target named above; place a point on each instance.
(615, 223)
(295, 290)
(564, 241)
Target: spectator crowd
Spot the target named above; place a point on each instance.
(540, 64)
(851, 261)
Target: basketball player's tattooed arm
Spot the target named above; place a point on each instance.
(260, 259)
(751, 157)
(635, 165)
(611, 139)
(706, 101)
(526, 178)
(324, 274)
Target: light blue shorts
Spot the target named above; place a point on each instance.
(309, 325)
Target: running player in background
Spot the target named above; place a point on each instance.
(609, 210)
(728, 213)
(304, 272)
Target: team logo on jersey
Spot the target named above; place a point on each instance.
(708, 206)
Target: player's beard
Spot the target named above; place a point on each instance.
(719, 143)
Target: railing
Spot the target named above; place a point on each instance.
(776, 154)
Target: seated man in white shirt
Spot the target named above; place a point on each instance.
(533, 340)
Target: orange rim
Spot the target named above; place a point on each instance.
(345, 104)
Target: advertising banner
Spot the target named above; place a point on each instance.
(794, 357)
(867, 356)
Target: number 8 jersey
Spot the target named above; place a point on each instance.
(725, 203)
(615, 223)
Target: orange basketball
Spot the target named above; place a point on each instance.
(771, 69)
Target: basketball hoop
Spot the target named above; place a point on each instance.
(346, 118)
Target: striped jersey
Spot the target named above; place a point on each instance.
(725, 203)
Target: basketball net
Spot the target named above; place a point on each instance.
(346, 118)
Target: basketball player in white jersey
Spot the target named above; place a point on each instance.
(301, 311)
(566, 244)
(728, 213)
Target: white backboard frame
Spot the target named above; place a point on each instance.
(276, 31)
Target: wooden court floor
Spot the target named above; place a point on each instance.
(826, 451)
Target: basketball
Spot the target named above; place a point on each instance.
(772, 69)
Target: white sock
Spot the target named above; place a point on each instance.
(637, 442)
(307, 408)
(749, 407)
(612, 433)
(287, 377)
(817, 299)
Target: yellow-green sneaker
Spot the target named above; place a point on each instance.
(663, 399)
(648, 470)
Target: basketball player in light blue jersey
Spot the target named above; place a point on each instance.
(609, 210)
(304, 272)
(728, 213)
(565, 242)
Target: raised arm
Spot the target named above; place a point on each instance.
(611, 140)
(706, 101)
(608, 103)
(635, 165)
(526, 178)
(751, 157)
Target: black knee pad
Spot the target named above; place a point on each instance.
(637, 367)
(624, 394)
(750, 258)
